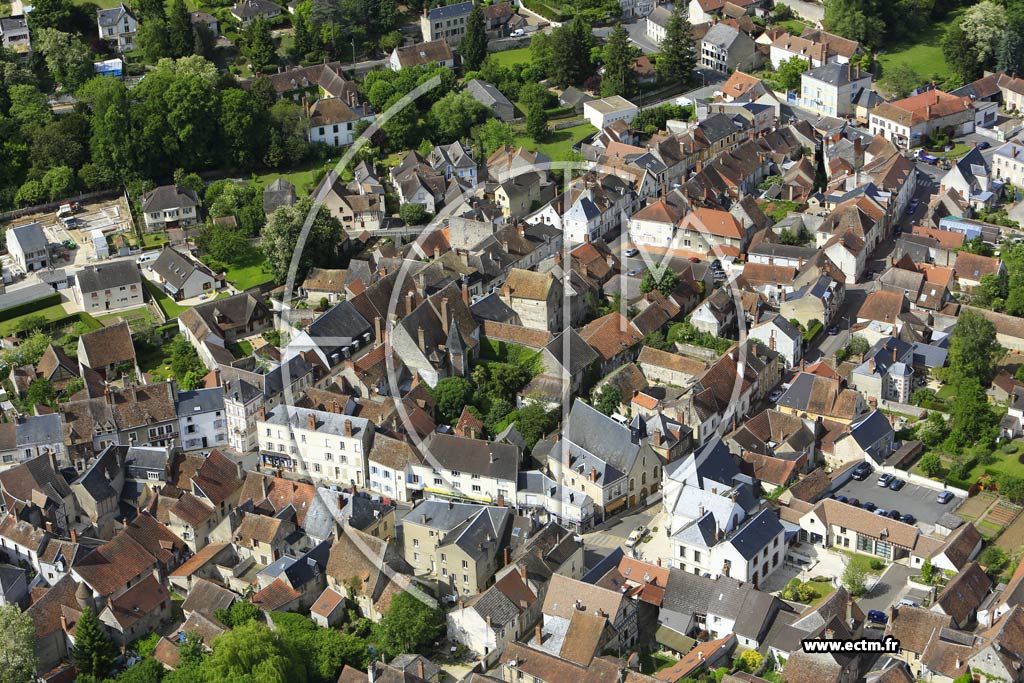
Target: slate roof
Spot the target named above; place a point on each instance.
(168, 197)
(108, 276)
(756, 534)
(176, 268)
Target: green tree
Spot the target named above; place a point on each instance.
(854, 578)
(533, 422)
(789, 73)
(67, 58)
(58, 182)
(51, 14)
(239, 614)
(94, 652)
(994, 559)
(153, 40)
(542, 52)
(148, 10)
(452, 116)
(537, 122)
(253, 653)
(280, 237)
(930, 464)
(608, 399)
(413, 214)
(17, 646)
(452, 394)
(185, 360)
(857, 346)
(493, 135)
(855, 19)
(179, 22)
(927, 571)
(618, 78)
(29, 351)
(973, 349)
(387, 16)
(653, 119)
(41, 392)
(473, 46)
(408, 626)
(244, 125)
(147, 671)
(984, 24)
(960, 53)
(258, 45)
(665, 282)
(678, 58)
(28, 105)
(750, 661)
(971, 420)
(901, 79)
(1010, 53)
(571, 46)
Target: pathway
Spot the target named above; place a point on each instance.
(811, 11)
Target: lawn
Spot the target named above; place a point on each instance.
(924, 55)
(794, 26)
(559, 144)
(864, 561)
(302, 177)
(512, 57)
(240, 349)
(655, 661)
(822, 588)
(168, 305)
(248, 275)
(50, 313)
(132, 316)
(780, 209)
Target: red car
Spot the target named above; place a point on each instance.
(694, 259)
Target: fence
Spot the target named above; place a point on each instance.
(54, 205)
(509, 43)
(924, 482)
(697, 351)
(571, 123)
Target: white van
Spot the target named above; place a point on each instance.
(635, 537)
(148, 256)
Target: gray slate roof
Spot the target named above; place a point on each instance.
(108, 276)
(200, 401)
(30, 237)
(168, 197)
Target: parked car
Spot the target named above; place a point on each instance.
(884, 479)
(927, 158)
(634, 272)
(944, 497)
(842, 499)
(775, 395)
(861, 471)
(896, 484)
(855, 502)
(982, 145)
(635, 536)
(907, 602)
(518, 32)
(912, 207)
(870, 507)
(881, 512)
(877, 617)
(632, 251)
(148, 256)
(694, 259)
(833, 331)
(893, 514)
(908, 519)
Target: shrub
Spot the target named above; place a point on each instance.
(1010, 448)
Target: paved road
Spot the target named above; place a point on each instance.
(887, 589)
(637, 30)
(911, 499)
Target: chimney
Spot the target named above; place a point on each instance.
(894, 354)
(437, 252)
(465, 293)
(410, 302)
(341, 503)
(444, 315)
(64, 624)
(377, 329)
(49, 527)
(348, 427)
(829, 634)
(593, 474)
(657, 437)
(311, 420)
(522, 573)
(540, 635)
(74, 536)
(422, 340)
(451, 505)
(419, 662)
(505, 556)
(263, 414)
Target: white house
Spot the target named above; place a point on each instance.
(202, 421)
(606, 111)
(397, 470)
(657, 23)
(169, 206)
(780, 336)
(118, 27)
(831, 88)
(183, 277)
(473, 470)
(108, 287)
(32, 436)
(907, 122)
(654, 225)
(333, 121)
(1008, 164)
(327, 446)
(28, 246)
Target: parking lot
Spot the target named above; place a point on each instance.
(911, 499)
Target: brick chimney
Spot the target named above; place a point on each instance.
(378, 329)
(410, 302)
(444, 315)
(74, 536)
(465, 293)
(311, 421)
(348, 427)
(421, 339)
(540, 635)
(262, 414)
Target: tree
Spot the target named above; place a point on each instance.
(653, 119)
(29, 351)
(252, 652)
(533, 422)
(788, 75)
(147, 671)
(182, 36)
(40, 392)
(67, 58)
(537, 122)
(971, 420)
(619, 78)
(930, 463)
(973, 349)
(280, 238)
(258, 46)
(927, 571)
(58, 182)
(678, 58)
(608, 399)
(245, 127)
(571, 46)
(51, 14)
(239, 614)
(854, 577)
(1010, 53)
(387, 16)
(28, 105)
(94, 653)
(984, 24)
(901, 79)
(185, 362)
(17, 646)
(665, 281)
(750, 661)
(408, 626)
(473, 46)
(452, 394)
(148, 10)
(542, 52)
(413, 214)
(493, 135)
(960, 54)
(453, 115)
(153, 40)
(855, 19)
(994, 559)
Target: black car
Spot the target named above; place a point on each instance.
(855, 502)
(870, 507)
(841, 499)
(982, 145)
(896, 484)
(893, 514)
(877, 617)
(908, 519)
(861, 471)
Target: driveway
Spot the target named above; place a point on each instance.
(913, 499)
(887, 589)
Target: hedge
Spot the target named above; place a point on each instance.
(812, 332)
(29, 307)
(545, 10)
(560, 112)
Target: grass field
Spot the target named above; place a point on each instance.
(301, 177)
(168, 305)
(559, 144)
(923, 56)
(240, 349)
(50, 313)
(248, 275)
(133, 317)
(794, 26)
(655, 661)
(511, 57)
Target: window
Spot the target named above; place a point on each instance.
(153, 476)
(456, 473)
(476, 488)
(465, 578)
(444, 557)
(415, 543)
(465, 564)
(475, 476)
(696, 556)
